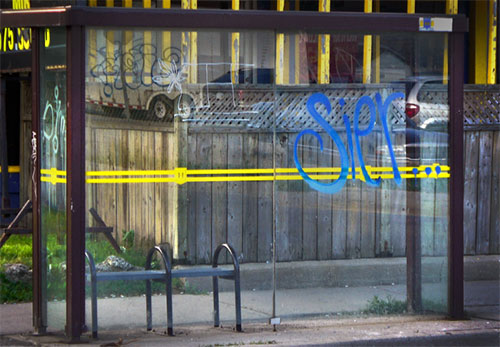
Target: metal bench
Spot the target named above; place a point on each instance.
(166, 276)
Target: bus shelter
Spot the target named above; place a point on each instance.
(302, 139)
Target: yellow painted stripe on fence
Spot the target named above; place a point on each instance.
(492, 42)
(12, 169)
(183, 175)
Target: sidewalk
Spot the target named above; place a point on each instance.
(309, 316)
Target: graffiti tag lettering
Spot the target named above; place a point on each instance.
(338, 184)
(54, 122)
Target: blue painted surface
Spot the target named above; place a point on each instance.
(13, 189)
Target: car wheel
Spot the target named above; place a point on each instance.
(161, 108)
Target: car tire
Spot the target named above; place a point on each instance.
(161, 108)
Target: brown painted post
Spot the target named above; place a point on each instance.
(75, 190)
(39, 322)
(456, 231)
(413, 237)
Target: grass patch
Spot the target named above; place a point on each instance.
(386, 306)
(11, 292)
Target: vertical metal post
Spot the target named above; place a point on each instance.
(456, 213)
(39, 323)
(75, 190)
(235, 49)
(4, 163)
(413, 232)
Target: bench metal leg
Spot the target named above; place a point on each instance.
(94, 307)
(149, 313)
(170, 318)
(237, 299)
(215, 284)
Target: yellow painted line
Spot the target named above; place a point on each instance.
(12, 169)
(183, 175)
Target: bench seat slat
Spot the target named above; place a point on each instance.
(201, 272)
(130, 275)
(160, 274)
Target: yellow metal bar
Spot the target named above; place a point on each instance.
(367, 49)
(451, 8)
(128, 43)
(92, 41)
(12, 169)
(147, 49)
(377, 48)
(297, 50)
(235, 49)
(324, 49)
(110, 48)
(492, 42)
(166, 37)
(280, 48)
(410, 6)
(193, 52)
(479, 49)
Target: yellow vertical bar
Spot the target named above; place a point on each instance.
(92, 41)
(410, 6)
(185, 5)
(480, 49)
(451, 8)
(193, 51)
(367, 49)
(492, 42)
(235, 49)
(297, 50)
(377, 48)
(280, 47)
(166, 37)
(324, 49)
(147, 48)
(110, 48)
(128, 43)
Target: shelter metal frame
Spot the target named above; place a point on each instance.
(76, 18)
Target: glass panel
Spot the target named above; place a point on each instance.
(199, 138)
(176, 145)
(392, 134)
(53, 177)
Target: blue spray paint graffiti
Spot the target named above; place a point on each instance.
(337, 185)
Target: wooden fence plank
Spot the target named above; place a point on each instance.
(427, 194)
(234, 194)
(133, 196)
(191, 207)
(250, 190)
(158, 201)
(470, 190)
(495, 197)
(265, 201)
(339, 210)
(398, 208)
(148, 158)
(484, 192)
(282, 201)
(219, 192)
(122, 196)
(325, 227)
(309, 202)
(368, 197)
(138, 210)
(441, 207)
(204, 201)
(295, 211)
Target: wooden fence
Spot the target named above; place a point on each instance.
(358, 222)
